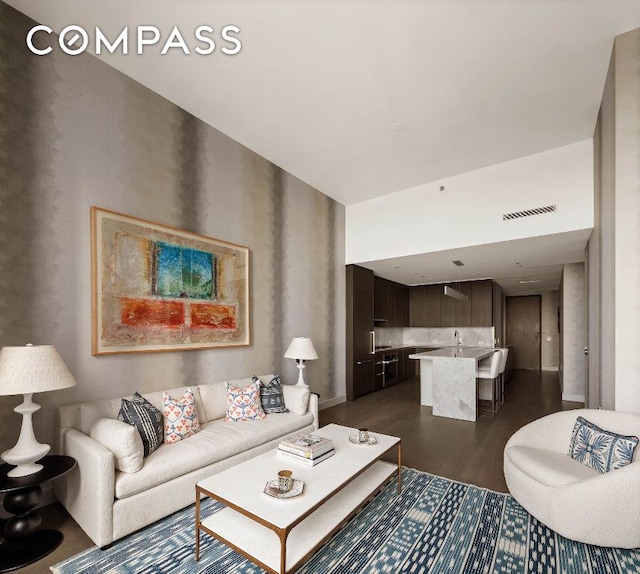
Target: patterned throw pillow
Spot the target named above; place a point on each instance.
(600, 449)
(271, 396)
(244, 404)
(180, 417)
(140, 413)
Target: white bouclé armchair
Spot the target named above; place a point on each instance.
(573, 499)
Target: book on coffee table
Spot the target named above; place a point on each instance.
(303, 459)
(306, 445)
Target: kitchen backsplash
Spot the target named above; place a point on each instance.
(435, 337)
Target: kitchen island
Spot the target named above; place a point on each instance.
(448, 380)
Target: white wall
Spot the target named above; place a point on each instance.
(469, 211)
(574, 332)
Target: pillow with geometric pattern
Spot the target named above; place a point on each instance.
(271, 395)
(600, 449)
(180, 417)
(140, 413)
(244, 404)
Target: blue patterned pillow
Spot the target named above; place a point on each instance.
(271, 396)
(140, 413)
(600, 449)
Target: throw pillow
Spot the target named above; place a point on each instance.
(271, 396)
(296, 398)
(123, 440)
(140, 413)
(180, 417)
(600, 449)
(244, 404)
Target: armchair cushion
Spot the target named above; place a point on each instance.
(600, 449)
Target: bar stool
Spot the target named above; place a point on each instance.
(489, 368)
(503, 366)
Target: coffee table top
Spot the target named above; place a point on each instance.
(241, 486)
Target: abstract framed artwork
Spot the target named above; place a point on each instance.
(157, 288)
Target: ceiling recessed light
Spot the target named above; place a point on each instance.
(395, 127)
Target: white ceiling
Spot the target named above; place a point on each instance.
(538, 259)
(318, 83)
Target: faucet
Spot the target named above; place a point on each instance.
(457, 336)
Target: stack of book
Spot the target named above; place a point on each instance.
(306, 449)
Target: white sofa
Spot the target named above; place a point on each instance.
(574, 500)
(109, 504)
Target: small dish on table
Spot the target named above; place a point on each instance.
(271, 488)
(354, 439)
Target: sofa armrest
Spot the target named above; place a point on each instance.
(313, 409)
(87, 492)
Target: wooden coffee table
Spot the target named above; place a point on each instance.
(280, 534)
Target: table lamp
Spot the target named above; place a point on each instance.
(27, 370)
(301, 349)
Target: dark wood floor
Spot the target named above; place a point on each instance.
(464, 451)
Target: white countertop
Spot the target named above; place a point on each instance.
(460, 352)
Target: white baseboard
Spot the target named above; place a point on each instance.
(48, 497)
(573, 398)
(332, 402)
(553, 369)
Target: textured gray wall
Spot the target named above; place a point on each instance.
(574, 332)
(74, 133)
(614, 248)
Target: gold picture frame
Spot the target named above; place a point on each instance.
(158, 288)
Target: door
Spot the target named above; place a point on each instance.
(523, 331)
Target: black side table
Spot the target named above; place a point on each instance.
(22, 542)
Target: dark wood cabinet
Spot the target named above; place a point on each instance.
(408, 365)
(391, 303)
(380, 300)
(447, 310)
(482, 303)
(402, 305)
(430, 307)
(463, 308)
(418, 306)
(433, 293)
(360, 301)
(363, 376)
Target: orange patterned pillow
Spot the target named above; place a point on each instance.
(180, 417)
(244, 404)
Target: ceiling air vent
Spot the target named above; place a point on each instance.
(529, 212)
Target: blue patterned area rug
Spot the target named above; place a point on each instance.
(435, 526)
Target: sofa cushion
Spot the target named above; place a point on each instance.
(548, 467)
(271, 396)
(244, 404)
(140, 413)
(123, 440)
(296, 398)
(180, 417)
(216, 441)
(600, 449)
(214, 401)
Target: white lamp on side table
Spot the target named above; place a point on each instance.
(24, 371)
(301, 349)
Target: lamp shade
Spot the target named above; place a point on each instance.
(33, 369)
(301, 348)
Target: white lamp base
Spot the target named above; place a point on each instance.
(301, 382)
(27, 450)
